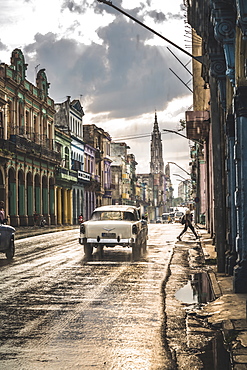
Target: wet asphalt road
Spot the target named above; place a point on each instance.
(61, 311)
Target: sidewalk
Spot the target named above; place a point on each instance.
(27, 231)
(228, 310)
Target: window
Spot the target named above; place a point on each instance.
(66, 157)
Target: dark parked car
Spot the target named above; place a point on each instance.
(7, 245)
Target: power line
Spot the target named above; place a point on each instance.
(139, 136)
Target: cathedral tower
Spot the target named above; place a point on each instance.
(157, 163)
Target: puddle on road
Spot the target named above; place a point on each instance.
(187, 294)
(197, 290)
(215, 356)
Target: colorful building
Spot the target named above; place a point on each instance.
(28, 158)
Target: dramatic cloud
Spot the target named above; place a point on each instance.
(158, 17)
(76, 7)
(123, 76)
(2, 46)
(121, 71)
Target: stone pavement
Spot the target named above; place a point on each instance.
(226, 312)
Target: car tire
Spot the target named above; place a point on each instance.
(136, 250)
(11, 251)
(88, 250)
(144, 245)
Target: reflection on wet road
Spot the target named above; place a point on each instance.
(61, 311)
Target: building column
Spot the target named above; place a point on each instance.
(240, 270)
(52, 203)
(65, 206)
(59, 205)
(231, 186)
(70, 206)
(218, 173)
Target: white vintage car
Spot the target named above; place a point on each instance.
(114, 225)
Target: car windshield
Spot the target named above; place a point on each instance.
(113, 215)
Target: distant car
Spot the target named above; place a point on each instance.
(172, 216)
(114, 225)
(166, 218)
(178, 217)
(158, 221)
(7, 245)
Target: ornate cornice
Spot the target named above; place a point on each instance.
(223, 18)
(218, 66)
(218, 71)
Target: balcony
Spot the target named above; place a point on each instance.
(33, 148)
(85, 176)
(65, 174)
(197, 124)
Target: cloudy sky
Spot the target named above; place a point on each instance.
(119, 70)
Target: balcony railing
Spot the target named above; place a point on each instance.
(66, 174)
(84, 176)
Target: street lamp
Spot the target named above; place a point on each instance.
(176, 174)
(179, 167)
(178, 133)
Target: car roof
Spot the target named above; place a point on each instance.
(123, 208)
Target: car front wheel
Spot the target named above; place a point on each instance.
(11, 251)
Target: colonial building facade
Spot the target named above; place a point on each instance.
(123, 174)
(99, 139)
(69, 118)
(220, 115)
(28, 158)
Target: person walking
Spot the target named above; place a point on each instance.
(187, 222)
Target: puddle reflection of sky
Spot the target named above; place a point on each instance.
(187, 294)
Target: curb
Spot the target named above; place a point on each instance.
(26, 232)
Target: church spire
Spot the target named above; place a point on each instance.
(156, 164)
